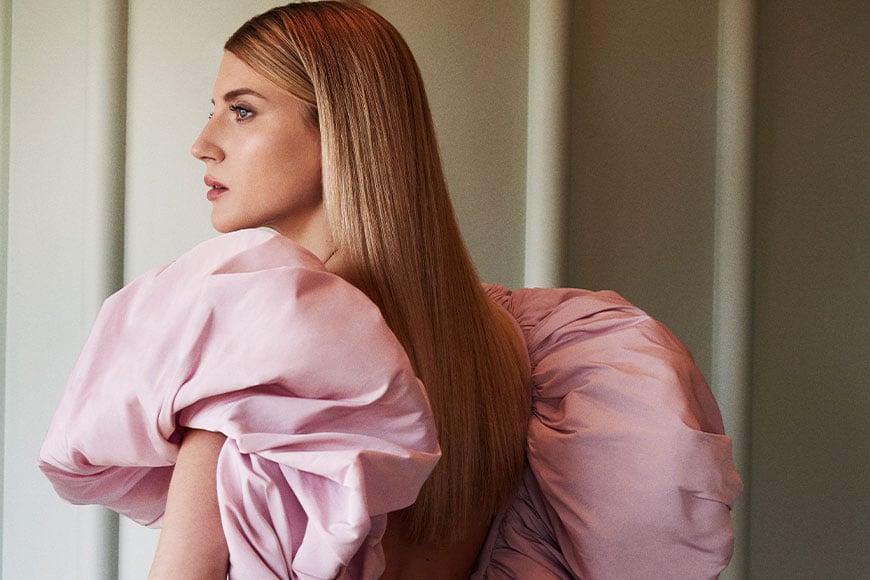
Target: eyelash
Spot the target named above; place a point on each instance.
(241, 113)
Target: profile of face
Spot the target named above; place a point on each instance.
(263, 159)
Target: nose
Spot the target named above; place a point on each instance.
(205, 147)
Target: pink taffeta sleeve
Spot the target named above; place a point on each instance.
(327, 427)
(630, 473)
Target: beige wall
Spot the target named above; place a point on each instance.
(642, 202)
(642, 221)
(644, 147)
(810, 503)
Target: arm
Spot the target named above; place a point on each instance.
(192, 543)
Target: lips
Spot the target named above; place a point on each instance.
(216, 188)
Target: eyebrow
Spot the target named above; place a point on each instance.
(234, 94)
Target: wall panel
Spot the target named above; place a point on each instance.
(810, 507)
(644, 114)
(732, 245)
(5, 65)
(47, 285)
(548, 148)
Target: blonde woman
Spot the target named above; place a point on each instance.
(553, 409)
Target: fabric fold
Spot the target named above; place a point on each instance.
(327, 427)
(629, 474)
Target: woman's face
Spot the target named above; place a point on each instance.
(262, 159)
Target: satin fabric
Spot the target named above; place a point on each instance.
(327, 427)
(629, 472)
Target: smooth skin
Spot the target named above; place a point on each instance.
(192, 544)
(263, 160)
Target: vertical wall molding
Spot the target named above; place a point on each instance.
(732, 246)
(548, 148)
(5, 102)
(104, 237)
(106, 136)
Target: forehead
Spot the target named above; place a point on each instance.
(236, 79)
(234, 74)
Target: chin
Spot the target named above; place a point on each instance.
(225, 227)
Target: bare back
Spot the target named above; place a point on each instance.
(453, 561)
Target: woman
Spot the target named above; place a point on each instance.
(321, 131)
(381, 218)
(308, 138)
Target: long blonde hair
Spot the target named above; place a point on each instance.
(392, 220)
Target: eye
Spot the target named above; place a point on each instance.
(241, 113)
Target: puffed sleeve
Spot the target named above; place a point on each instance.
(630, 473)
(327, 427)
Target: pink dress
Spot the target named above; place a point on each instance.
(327, 427)
(629, 473)
(328, 430)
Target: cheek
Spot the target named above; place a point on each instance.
(281, 163)
(260, 165)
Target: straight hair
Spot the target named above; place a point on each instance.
(392, 220)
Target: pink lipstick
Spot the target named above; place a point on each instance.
(216, 188)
